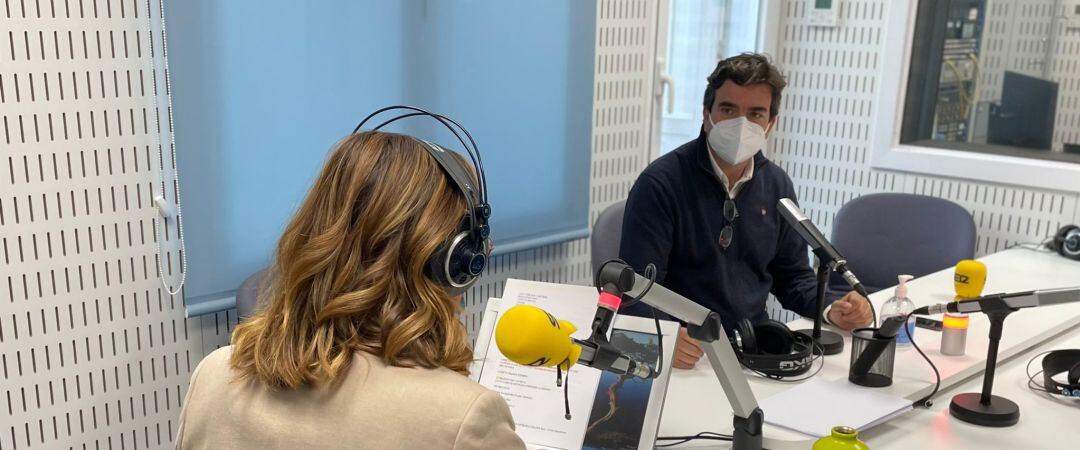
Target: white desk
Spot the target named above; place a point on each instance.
(695, 401)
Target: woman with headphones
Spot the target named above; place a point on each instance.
(358, 342)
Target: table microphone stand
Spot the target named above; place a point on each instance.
(704, 325)
(826, 342)
(985, 408)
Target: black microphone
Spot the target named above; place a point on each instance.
(612, 280)
(998, 302)
(882, 338)
(821, 246)
(604, 356)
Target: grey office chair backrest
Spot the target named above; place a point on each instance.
(247, 301)
(607, 234)
(885, 235)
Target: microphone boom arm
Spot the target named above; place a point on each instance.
(1008, 301)
(704, 325)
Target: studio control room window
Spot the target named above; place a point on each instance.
(995, 76)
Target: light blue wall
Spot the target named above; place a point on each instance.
(262, 89)
(519, 75)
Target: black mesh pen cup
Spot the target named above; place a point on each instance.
(871, 358)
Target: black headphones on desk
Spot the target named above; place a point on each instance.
(462, 258)
(1056, 363)
(772, 349)
(1067, 242)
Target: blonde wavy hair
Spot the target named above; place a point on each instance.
(349, 273)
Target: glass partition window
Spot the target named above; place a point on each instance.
(700, 34)
(995, 76)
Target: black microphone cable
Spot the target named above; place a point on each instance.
(709, 435)
(702, 435)
(650, 273)
(566, 394)
(873, 311)
(927, 401)
(858, 288)
(564, 381)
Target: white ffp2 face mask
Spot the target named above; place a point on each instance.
(736, 140)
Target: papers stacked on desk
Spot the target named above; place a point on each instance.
(817, 405)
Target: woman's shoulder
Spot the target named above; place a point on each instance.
(216, 361)
(367, 378)
(477, 416)
(213, 369)
(441, 381)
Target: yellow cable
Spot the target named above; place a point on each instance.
(966, 102)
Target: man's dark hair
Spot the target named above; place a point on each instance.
(744, 70)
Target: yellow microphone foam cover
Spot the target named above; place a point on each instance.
(969, 278)
(529, 336)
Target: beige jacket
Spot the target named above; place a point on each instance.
(375, 406)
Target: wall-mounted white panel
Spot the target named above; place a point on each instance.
(623, 98)
(93, 352)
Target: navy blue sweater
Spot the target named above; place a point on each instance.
(673, 219)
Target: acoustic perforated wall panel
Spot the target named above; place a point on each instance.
(622, 99)
(824, 135)
(94, 352)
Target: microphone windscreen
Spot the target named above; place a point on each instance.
(529, 336)
(969, 278)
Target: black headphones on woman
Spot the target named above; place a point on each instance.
(461, 259)
(1067, 242)
(771, 348)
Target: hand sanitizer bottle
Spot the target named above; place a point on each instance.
(900, 305)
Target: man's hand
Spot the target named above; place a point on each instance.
(687, 351)
(851, 311)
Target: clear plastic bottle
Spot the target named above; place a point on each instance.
(900, 304)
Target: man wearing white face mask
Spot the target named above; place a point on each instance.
(705, 213)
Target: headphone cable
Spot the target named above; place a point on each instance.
(1042, 246)
(1034, 386)
(1031, 377)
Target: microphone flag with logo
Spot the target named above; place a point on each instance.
(969, 279)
